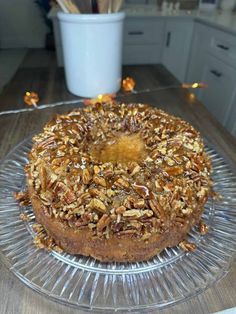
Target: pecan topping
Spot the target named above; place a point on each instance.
(127, 169)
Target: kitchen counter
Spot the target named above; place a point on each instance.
(41, 75)
(218, 19)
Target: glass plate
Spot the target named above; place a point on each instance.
(168, 278)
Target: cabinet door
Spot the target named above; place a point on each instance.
(231, 118)
(177, 42)
(201, 37)
(218, 97)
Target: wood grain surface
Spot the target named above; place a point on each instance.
(39, 73)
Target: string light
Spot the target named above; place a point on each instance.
(192, 96)
(31, 99)
(101, 98)
(128, 84)
(194, 85)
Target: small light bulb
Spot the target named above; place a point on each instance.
(195, 85)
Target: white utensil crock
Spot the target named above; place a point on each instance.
(92, 49)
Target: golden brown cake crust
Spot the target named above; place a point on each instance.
(118, 182)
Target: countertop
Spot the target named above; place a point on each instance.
(39, 73)
(225, 21)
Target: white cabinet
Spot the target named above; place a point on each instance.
(143, 40)
(198, 53)
(176, 46)
(231, 118)
(221, 81)
(213, 61)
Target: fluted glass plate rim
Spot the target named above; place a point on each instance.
(121, 273)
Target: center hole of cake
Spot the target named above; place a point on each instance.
(123, 148)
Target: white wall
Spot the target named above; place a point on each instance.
(21, 24)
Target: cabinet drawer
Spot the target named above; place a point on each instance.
(218, 97)
(143, 31)
(223, 46)
(218, 43)
(141, 54)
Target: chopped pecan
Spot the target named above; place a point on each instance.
(136, 168)
(97, 204)
(129, 201)
(43, 177)
(118, 226)
(203, 228)
(187, 211)
(123, 183)
(120, 209)
(99, 181)
(97, 193)
(96, 169)
(148, 213)
(48, 142)
(69, 196)
(86, 177)
(110, 193)
(103, 222)
(141, 190)
(51, 180)
(108, 173)
(133, 212)
(21, 196)
(140, 203)
(157, 208)
(24, 217)
(174, 171)
(187, 246)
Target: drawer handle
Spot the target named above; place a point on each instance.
(216, 73)
(168, 37)
(222, 47)
(135, 33)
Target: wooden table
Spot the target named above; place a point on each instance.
(45, 78)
